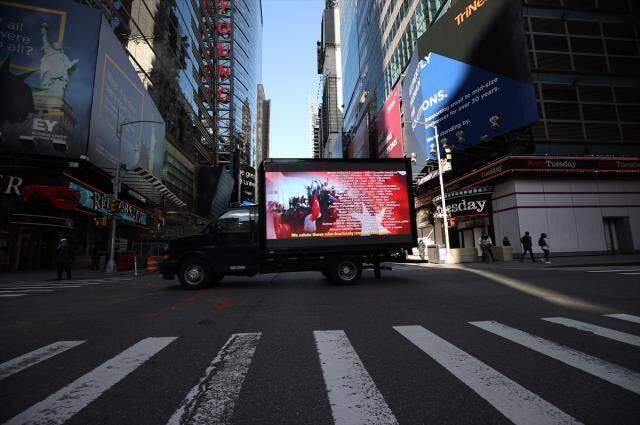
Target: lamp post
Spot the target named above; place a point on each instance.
(444, 205)
(111, 264)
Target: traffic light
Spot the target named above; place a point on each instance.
(114, 206)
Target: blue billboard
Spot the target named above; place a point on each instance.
(468, 78)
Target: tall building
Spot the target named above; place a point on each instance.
(377, 39)
(315, 113)
(262, 126)
(575, 173)
(233, 33)
(330, 67)
(110, 86)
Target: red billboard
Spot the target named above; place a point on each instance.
(337, 204)
(389, 128)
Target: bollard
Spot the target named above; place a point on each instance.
(135, 265)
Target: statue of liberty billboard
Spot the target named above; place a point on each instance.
(47, 67)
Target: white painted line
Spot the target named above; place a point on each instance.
(597, 330)
(515, 402)
(630, 274)
(63, 404)
(353, 396)
(21, 287)
(213, 399)
(627, 317)
(612, 270)
(11, 295)
(24, 361)
(610, 372)
(23, 291)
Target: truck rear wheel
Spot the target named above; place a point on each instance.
(194, 273)
(345, 271)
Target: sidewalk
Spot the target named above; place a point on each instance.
(557, 262)
(46, 275)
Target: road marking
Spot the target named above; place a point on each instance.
(20, 287)
(596, 330)
(353, 396)
(629, 274)
(25, 291)
(63, 404)
(610, 372)
(213, 399)
(627, 317)
(515, 402)
(612, 271)
(24, 361)
(11, 295)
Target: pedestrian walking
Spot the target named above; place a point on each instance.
(527, 247)
(486, 243)
(64, 258)
(543, 243)
(421, 248)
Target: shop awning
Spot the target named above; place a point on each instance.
(144, 183)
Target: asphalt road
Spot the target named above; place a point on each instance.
(424, 345)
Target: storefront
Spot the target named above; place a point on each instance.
(41, 204)
(584, 204)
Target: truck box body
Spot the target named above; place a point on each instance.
(327, 205)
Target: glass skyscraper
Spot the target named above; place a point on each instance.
(377, 39)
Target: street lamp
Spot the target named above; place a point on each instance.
(444, 206)
(111, 264)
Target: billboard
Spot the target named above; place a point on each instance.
(338, 203)
(120, 97)
(389, 128)
(468, 77)
(47, 64)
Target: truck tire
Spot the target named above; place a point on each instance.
(194, 273)
(345, 271)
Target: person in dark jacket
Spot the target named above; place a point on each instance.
(95, 257)
(526, 247)
(64, 258)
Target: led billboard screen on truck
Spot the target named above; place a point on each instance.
(337, 203)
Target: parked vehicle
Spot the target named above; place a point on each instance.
(332, 216)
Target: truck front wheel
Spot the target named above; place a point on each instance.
(345, 271)
(194, 273)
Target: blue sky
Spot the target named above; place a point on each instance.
(289, 71)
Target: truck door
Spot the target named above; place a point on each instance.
(236, 244)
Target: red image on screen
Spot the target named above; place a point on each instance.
(336, 204)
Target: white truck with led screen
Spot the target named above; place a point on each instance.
(332, 216)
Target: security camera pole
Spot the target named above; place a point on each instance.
(442, 200)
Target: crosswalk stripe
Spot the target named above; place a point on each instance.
(24, 361)
(63, 404)
(353, 395)
(515, 402)
(11, 295)
(596, 330)
(610, 372)
(213, 399)
(627, 317)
